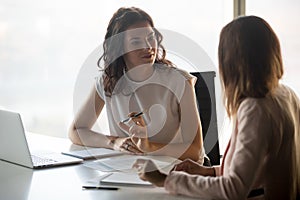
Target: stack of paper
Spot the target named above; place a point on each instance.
(119, 169)
(125, 162)
(124, 179)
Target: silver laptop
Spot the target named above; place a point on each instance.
(14, 147)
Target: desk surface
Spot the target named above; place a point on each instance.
(18, 183)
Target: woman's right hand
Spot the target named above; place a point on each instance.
(126, 145)
(137, 130)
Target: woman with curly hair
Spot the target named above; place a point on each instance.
(151, 104)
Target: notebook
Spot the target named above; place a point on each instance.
(92, 153)
(124, 179)
(14, 147)
(118, 171)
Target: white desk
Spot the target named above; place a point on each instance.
(18, 183)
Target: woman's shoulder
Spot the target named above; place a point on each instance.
(99, 84)
(288, 91)
(249, 103)
(172, 71)
(281, 97)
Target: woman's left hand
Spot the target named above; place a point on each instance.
(125, 144)
(137, 130)
(148, 171)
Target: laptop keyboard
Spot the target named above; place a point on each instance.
(41, 161)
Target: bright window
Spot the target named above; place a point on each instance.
(43, 45)
(283, 16)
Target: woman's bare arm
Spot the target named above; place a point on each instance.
(80, 132)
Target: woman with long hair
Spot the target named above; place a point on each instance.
(150, 104)
(262, 159)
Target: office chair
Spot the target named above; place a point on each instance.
(205, 93)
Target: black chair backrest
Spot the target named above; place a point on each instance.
(205, 93)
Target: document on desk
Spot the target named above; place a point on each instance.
(124, 163)
(124, 179)
(91, 153)
(113, 179)
(120, 173)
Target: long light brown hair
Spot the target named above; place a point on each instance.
(113, 47)
(250, 62)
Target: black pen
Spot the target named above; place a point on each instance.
(99, 188)
(134, 116)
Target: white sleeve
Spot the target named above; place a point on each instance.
(250, 150)
(99, 86)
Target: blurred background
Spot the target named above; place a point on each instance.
(44, 43)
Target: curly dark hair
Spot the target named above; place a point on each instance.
(112, 56)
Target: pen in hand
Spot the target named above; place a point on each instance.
(134, 116)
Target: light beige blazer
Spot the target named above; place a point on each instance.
(263, 152)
